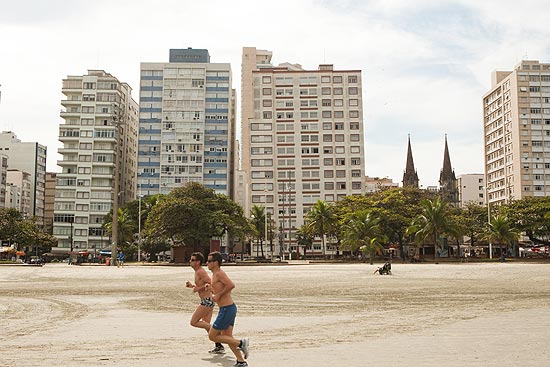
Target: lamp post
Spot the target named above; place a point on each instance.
(289, 218)
(71, 220)
(117, 121)
(265, 216)
(139, 224)
(488, 217)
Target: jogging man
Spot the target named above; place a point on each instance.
(203, 314)
(222, 329)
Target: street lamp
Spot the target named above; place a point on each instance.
(117, 121)
(139, 224)
(265, 215)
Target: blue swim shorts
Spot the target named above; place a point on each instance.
(226, 317)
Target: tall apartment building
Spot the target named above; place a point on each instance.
(99, 136)
(516, 121)
(3, 179)
(28, 157)
(471, 189)
(186, 123)
(302, 140)
(49, 201)
(18, 191)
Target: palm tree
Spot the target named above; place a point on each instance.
(371, 248)
(431, 222)
(500, 232)
(304, 239)
(363, 231)
(257, 218)
(126, 225)
(319, 220)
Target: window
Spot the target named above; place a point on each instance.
(353, 114)
(337, 79)
(328, 174)
(325, 79)
(329, 185)
(326, 114)
(352, 79)
(338, 114)
(337, 91)
(267, 103)
(353, 102)
(325, 91)
(266, 79)
(266, 91)
(353, 90)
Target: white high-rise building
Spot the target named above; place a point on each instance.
(99, 136)
(302, 140)
(471, 189)
(27, 157)
(516, 121)
(186, 124)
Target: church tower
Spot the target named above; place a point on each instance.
(410, 177)
(447, 180)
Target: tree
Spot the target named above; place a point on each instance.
(193, 214)
(372, 248)
(304, 239)
(320, 219)
(362, 230)
(126, 225)
(396, 208)
(530, 215)
(257, 220)
(501, 232)
(431, 222)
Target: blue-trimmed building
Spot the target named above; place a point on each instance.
(186, 124)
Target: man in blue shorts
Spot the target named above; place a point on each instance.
(222, 329)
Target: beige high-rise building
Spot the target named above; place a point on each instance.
(99, 136)
(28, 157)
(471, 189)
(516, 115)
(302, 141)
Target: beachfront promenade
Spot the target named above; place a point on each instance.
(474, 314)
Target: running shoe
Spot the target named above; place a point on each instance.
(244, 347)
(240, 364)
(217, 350)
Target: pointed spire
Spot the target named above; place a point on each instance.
(410, 176)
(447, 172)
(447, 179)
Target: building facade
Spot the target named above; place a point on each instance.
(471, 189)
(516, 122)
(99, 136)
(18, 191)
(374, 184)
(186, 124)
(304, 142)
(27, 157)
(49, 200)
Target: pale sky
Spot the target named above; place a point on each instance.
(426, 64)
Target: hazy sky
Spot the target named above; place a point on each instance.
(425, 64)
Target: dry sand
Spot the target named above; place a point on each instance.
(309, 315)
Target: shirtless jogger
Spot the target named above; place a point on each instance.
(203, 314)
(222, 329)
